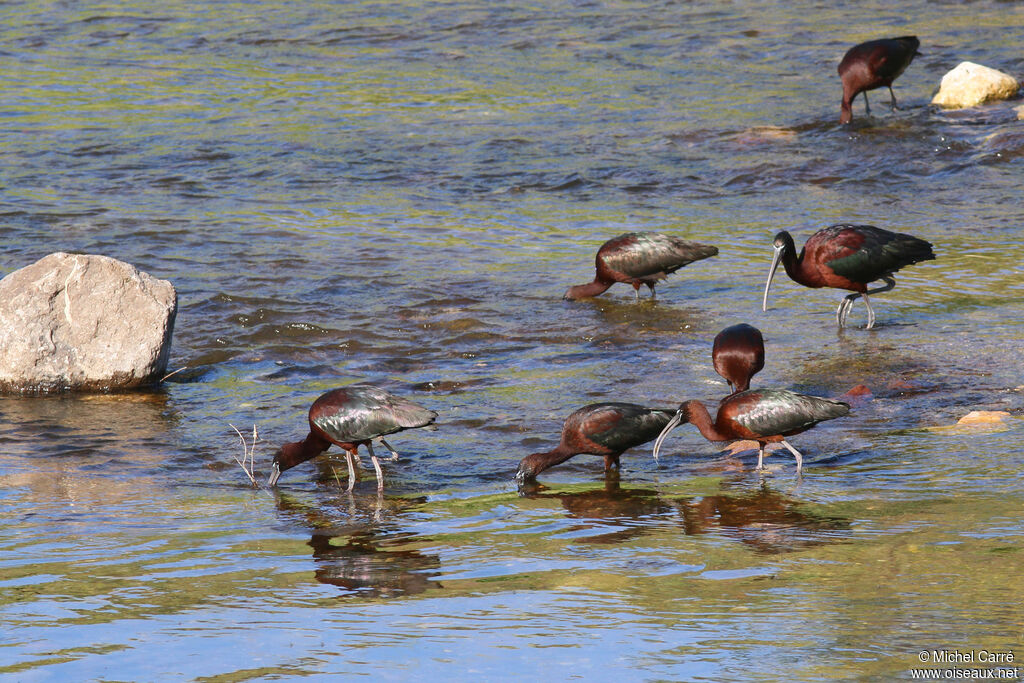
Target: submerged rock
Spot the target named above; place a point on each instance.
(977, 421)
(83, 322)
(970, 84)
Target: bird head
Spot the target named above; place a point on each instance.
(682, 415)
(285, 458)
(529, 468)
(275, 470)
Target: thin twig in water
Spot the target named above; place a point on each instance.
(171, 374)
(248, 452)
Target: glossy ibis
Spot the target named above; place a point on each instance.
(762, 415)
(847, 257)
(639, 258)
(605, 429)
(871, 65)
(349, 417)
(738, 355)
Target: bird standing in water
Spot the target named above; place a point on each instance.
(349, 417)
(847, 257)
(639, 258)
(738, 355)
(761, 415)
(871, 65)
(605, 429)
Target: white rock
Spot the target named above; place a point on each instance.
(969, 84)
(83, 322)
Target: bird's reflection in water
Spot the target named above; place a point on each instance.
(366, 558)
(368, 563)
(767, 521)
(629, 508)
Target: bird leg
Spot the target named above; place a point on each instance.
(650, 286)
(799, 458)
(871, 313)
(394, 454)
(889, 284)
(376, 466)
(349, 459)
(760, 456)
(844, 309)
(893, 96)
(867, 107)
(847, 303)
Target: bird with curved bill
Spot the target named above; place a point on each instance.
(871, 65)
(639, 258)
(762, 415)
(350, 417)
(605, 429)
(847, 256)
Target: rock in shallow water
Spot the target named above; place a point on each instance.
(83, 322)
(970, 84)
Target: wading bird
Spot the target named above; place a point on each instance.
(871, 65)
(349, 417)
(605, 429)
(762, 415)
(738, 355)
(639, 258)
(847, 257)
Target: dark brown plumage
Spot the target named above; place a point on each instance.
(871, 65)
(738, 355)
(349, 417)
(605, 429)
(639, 258)
(847, 257)
(761, 415)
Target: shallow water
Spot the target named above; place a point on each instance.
(400, 195)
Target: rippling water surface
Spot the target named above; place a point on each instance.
(400, 193)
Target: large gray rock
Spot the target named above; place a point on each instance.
(970, 84)
(83, 322)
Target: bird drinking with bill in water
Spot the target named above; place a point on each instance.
(605, 429)
(871, 65)
(349, 417)
(639, 258)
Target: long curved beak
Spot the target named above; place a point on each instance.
(771, 274)
(672, 424)
(275, 474)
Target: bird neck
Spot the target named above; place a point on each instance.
(590, 289)
(697, 415)
(535, 463)
(298, 452)
(742, 384)
(790, 260)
